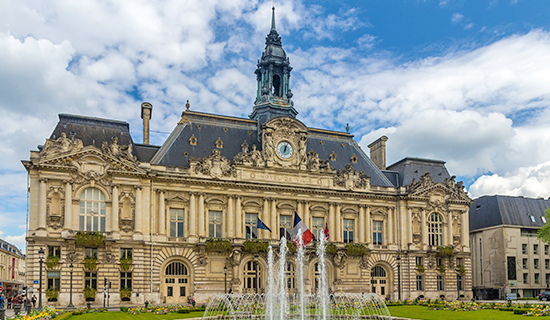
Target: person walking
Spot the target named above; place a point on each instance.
(1, 301)
(33, 301)
(9, 302)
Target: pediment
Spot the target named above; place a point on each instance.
(177, 197)
(440, 191)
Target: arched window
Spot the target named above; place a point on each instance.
(92, 210)
(378, 271)
(250, 280)
(277, 86)
(435, 230)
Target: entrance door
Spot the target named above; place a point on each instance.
(176, 283)
(379, 281)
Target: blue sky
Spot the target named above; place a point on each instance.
(462, 81)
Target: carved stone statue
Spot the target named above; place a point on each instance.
(61, 145)
(256, 156)
(302, 149)
(268, 145)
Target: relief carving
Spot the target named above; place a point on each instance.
(72, 257)
(61, 145)
(252, 158)
(215, 165)
(109, 258)
(350, 179)
(118, 151)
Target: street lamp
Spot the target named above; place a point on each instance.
(225, 278)
(71, 288)
(40, 261)
(256, 268)
(399, 276)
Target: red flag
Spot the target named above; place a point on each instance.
(327, 235)
(306, 236)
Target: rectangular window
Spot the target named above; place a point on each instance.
(318, 227)
(182, 291)
(547, 279)
(545, 249)
(459, 262)
(419, 261)
(524, 248)
(251, 225)
(439, 261)
(170, 291)
(525, 278)
(54, 280)
(348, 230)
(537, 278)
(419, 283)
(90, 280)
(215, 224)
(377, 232)
(440, 286)
(459, 284)
(54, 251)
(125, 280)
(285, 227)
(524, 263)
(536, 263)
(546, 263)
(535, 249)
(176, 222)
(125, 253)
(90, 252)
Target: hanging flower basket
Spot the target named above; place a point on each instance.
(89, 294)
(52, 261)
(330, 249)
(52, 293)
(461, 269)
(125, 293)
(125, 263)
(90, 263)
(447, 251)
(441, 268)
(291, 246)
(356, 249)
(420, 268)
(255, 246)
(220, 245)
(89, 239)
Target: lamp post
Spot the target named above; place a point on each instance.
(71, 287)
(256, 268)
(40, 261)
(399, 276)
(225, 278)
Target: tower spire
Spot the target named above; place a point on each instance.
(273, 19)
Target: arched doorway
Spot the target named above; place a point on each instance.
(252, 278)
(177, 283)
(379, 281)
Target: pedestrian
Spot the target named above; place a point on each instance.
(230, 291)
(34, 301)
(1, 301)
(9, 302)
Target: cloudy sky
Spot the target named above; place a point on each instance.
(467, 82)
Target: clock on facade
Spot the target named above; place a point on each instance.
(285, 150)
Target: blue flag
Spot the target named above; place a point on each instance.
(262, 225)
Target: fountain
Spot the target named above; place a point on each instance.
(277, 304)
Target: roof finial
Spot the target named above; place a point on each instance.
(273, 19)
(187, 106)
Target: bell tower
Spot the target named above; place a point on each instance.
(273, 97)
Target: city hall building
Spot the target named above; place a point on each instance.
(166, 223)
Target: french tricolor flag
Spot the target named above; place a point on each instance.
(307, 236)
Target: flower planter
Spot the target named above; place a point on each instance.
(89, 239)
(218, 245)
(126, 299)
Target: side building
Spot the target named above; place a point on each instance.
(12, 269)
(165, 223)
(507, 256)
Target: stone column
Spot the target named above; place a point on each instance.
(230, 217)
(42, 204)
(238, 218)
(368, 233)
(192, 214)
(274, 228)
(450, 228)
(307, 218)
(202, 216)
(338, 227)
(465, 227)
(424, 228)
(361, 230)
(162, 212)
(138, 209)
(409, 225)
(114, 208)
(331, 221)
(264, 216)
(390, 225)
(68, 205)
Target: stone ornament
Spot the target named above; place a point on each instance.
(118, 151)
(215, 165)
(350, 179)
(253, 158)
(60, 145)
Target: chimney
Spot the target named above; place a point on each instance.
(146, 115)
(378, 152)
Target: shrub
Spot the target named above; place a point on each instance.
(420, 268)
(64, 316)
(52, 261)
(331, 248)
(89, 292)
(90, 263)
(461, 269)
(218, 245)
(445, 251)
(89, 239)
(291, 246)
(520, 311)
(255, 246)
(441, 268)
(356, 249)
(125, 292)
(52, 293)
(125, 263)
(124, 309)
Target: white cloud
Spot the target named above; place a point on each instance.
(457, 17)
(18, 241)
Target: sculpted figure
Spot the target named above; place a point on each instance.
(268, 145)
(302, 149)
(256, 156)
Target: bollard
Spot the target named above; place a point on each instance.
(88, 305)
(17, 309)
(2, 314)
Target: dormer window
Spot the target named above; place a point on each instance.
(532, 219)
(219, 144)
(193, 140)
(332, 156)
(354, 158)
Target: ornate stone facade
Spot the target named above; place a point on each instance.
(214, 177)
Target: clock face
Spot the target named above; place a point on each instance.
(284, 150)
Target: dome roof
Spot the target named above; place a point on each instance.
(275, 51)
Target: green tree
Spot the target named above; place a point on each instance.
(544, 232)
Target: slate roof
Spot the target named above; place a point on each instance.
(232, 131)
(413, 168)
(497, 210)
